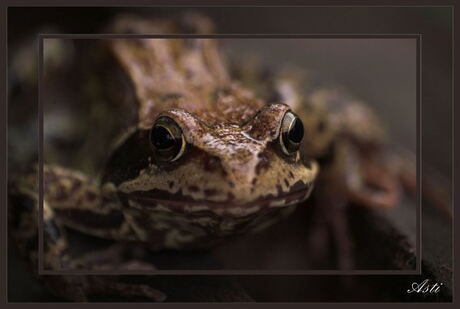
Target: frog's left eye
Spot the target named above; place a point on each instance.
(167, 139)
(291, 134)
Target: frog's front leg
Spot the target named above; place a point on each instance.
(23, 224)
(61, 185)
(79, 203)
(75, 201)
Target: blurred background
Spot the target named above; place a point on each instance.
(381, 72)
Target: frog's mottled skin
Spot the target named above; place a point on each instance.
(233, 177)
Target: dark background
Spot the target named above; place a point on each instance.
(391, 91)
(379, 71)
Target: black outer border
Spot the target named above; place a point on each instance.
(325, 3)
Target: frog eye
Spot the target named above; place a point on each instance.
(167, 140)
(291, 133)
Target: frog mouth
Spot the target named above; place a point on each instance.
(158, 199)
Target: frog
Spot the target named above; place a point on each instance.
(200, 156)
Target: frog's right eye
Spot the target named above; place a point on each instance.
(167, 139)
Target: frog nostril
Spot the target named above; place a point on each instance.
(213, 164)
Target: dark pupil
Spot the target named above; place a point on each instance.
(295, 134)
(162, 139)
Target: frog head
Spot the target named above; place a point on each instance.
(216, 178)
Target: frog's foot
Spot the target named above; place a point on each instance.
(377, 188)
(435, 189)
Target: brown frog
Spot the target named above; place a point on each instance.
(203, 159)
